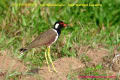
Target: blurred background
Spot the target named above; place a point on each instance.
(91, 26)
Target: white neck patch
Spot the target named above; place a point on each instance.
(56, 36)
(56, 26)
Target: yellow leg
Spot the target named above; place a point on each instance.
(47, 61)
(49, 56)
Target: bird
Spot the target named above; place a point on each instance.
(47, 38)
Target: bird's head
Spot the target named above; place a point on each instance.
(59, 25)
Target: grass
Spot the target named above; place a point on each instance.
(90, 71)
(19, 25)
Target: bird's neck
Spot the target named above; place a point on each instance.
(58, 31)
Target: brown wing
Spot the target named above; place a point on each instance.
(45, 38)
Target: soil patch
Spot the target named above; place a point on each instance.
(9, 64)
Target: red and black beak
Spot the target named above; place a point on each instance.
(64, 25)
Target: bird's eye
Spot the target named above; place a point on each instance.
(56, 25)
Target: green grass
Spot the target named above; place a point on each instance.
(86, 26)
(96, 71)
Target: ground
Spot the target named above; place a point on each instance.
(65, 66)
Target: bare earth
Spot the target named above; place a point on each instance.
(63, 65)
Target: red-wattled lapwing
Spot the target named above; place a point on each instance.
(46, 39)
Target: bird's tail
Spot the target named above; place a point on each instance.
(23, 50)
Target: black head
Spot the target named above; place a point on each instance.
(59, 25)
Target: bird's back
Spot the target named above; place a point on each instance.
(44, 39)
